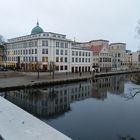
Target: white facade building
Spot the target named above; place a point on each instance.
(46, 51)
(81, 59)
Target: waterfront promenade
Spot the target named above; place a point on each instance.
(17, 124)
(14, 80)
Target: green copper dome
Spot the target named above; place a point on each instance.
(37, 29)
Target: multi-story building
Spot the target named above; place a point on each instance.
(81, 59)
(118, 53)
(46, 51)
(101, 57)
(136, 59)
(1, 54)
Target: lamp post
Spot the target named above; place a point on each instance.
(52, 68)
(38, 66)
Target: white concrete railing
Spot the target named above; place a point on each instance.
(17, 124)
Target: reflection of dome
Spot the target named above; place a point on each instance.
(37, 29)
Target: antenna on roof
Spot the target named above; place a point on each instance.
(74, 39)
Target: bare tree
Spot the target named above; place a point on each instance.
(1, 138)
(133, 92)
(126, 138)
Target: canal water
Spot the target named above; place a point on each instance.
(104, 109)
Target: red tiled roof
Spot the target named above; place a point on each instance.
(96, 49)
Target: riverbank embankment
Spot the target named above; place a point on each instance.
(20, 80)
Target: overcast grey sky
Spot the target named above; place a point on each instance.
(113, 20)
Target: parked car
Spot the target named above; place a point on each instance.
(3, 68)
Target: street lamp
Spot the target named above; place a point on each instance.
(38, 67)
(52, 68)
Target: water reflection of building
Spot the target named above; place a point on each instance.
(113, 84)
(117, 85)
(51, 100)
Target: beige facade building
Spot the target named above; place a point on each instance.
(101, 57)
(119, 56)
(136, 60)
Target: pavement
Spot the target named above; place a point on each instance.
(15, 79)
(25, 78)
(17, 124)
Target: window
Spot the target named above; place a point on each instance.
(72, 52)
(46, 51)
(62, 45)
(35, 43)
(76, 59)
(61, 67)
(66, 59)
(79, 59)
(118, 54)
(57, 59)
(57, 52)
(79, 53)
(44, 43)
(61, 52)
(82, 59)
(61, 59)
(66, 67)
(100, 59)
(66, 45)
(83, 53)
(44, 59)
(35, 51)
(66, 52)
(72, 59)
(35, 58)
(76, 53)
(57, 44)
(89, 54)
(30, 44)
